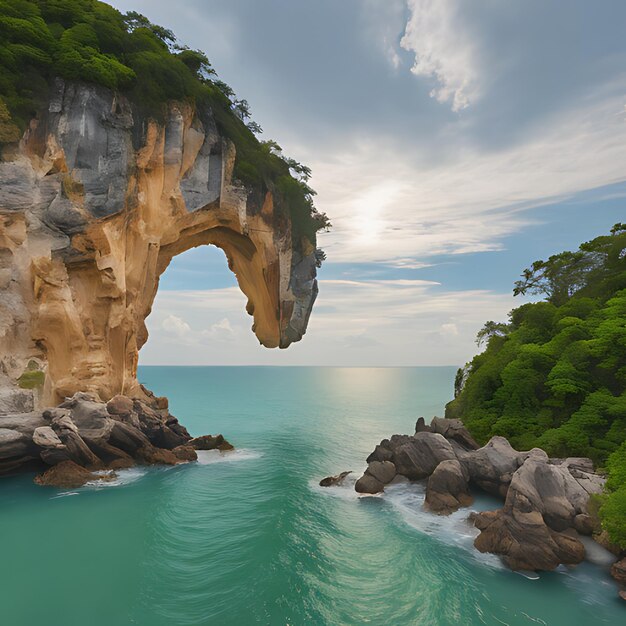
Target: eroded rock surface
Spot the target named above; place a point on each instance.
(545, 500)
(448, 488)
(94, 203)
(84, 435)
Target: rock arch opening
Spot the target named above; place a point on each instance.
(94, 206)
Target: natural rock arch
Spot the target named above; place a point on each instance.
(93, 207)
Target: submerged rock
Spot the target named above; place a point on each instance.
(618, 571)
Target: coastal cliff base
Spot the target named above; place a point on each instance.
(83, 435)
(546, 500)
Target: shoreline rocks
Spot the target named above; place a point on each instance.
(331, 481)
(546, 501)
(69, 442)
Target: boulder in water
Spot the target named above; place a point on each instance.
(211, 442)
(331, 481)
(382, 471)
(368, 484)
(448, 488)
(185, 453)
(68, 475)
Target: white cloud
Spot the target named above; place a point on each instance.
(449, 330)
(219, 331)
(443, 50)
(392, 209)
(378, 322)
(175, 325)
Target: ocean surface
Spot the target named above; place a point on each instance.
(249, 538)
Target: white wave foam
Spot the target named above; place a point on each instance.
(209, 457)
(455, 529)
(596, 554)
(123, 477)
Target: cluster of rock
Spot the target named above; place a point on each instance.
(546, 501)
(84, 435)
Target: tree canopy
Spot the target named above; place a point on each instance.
(554, 376)
(90, 41)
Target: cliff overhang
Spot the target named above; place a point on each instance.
(95, 201)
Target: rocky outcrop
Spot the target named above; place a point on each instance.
(545, 500)
(210, 442)
(84, 434)
(618, 571)
(376, 476)
(69, 475)
(536, 528)
(448, 488)
(524, 541)
(492, 467)
(95, 201)
(331, 481)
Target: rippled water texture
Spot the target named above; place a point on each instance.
(251, 539)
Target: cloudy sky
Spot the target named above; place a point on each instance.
(452, 143)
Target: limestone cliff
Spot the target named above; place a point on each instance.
(94, 203)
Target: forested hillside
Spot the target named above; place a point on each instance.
(90, 41)
(554, 375)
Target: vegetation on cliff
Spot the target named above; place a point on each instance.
(88, 40)
(554, 376)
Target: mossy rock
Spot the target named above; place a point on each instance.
(31, 379)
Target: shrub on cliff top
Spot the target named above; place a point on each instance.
(88, 40)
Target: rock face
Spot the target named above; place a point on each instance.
(545, 500)
(448, 488)
(376, 476)
(88, 434)
(94, 203)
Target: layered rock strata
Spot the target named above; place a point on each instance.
(84, 435)
(95, 201)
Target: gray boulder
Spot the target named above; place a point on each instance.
(492, 467)
(551, 490)
(382, 471)
(454, 430)
(45, 437)
(380, 454)
(14, 444)
(419, 457)
(448, 488)
(368, 484)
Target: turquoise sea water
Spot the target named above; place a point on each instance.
(251, 539)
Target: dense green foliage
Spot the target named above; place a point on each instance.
(554, 376)
(88, 40)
